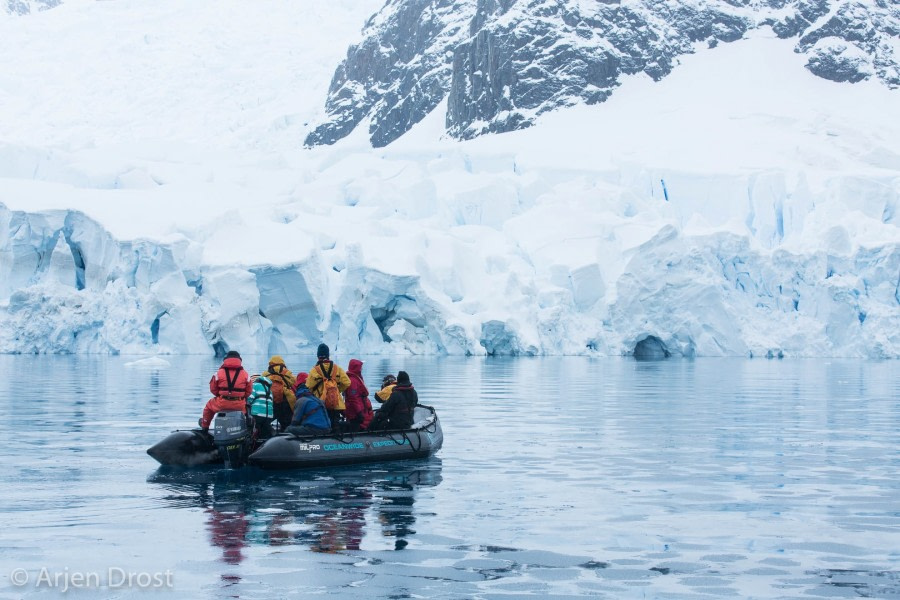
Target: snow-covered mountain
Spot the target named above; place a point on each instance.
(24, 7)
(502, 63)
(156, 197)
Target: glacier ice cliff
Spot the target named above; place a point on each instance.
(606, 281)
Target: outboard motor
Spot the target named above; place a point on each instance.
(231, 436)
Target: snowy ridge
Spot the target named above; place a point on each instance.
(25, 7)
(398, 73)
(502, 63)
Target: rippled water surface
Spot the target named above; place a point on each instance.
(559, 477)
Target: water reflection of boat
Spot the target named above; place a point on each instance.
(228, 530)
(324, 510)
(423, 439)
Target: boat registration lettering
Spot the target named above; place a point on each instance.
(353, 446)
(389, 443)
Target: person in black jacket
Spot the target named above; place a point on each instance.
(397, 412)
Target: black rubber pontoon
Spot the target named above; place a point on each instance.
(186, 449)
(230, 442)
(288, 451)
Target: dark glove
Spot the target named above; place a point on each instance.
(200, 423)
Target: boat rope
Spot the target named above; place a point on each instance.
(398, 436)
(399, 441)
(341, 436)
(415, 447)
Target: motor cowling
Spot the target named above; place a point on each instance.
(231, 435)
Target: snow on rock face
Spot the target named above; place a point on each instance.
(855, 42)
(501, 63)
(24, 7)
(404, 54)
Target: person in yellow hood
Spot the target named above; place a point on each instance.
(283, 382)
(326, 369)
(388, 383)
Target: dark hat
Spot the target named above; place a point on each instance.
(232, 354)
(402, 378)
(388, 380)
(323, 351)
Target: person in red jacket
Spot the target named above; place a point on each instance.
(230, 387)
(359, 408)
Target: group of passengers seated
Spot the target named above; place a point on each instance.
(327, 400)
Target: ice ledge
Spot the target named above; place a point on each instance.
(67, 286)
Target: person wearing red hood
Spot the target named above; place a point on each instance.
(230, 385)
(359, 408)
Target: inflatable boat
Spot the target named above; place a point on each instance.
(231, 443)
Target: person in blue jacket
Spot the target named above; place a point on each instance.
(310, 415)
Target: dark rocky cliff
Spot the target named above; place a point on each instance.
(25, 7)
(501, 63)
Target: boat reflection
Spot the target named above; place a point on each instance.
(324, 510)
(228, 531)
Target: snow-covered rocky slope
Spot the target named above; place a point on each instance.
(155, 195)
(501, 63)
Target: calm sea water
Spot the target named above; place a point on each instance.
(559, 477)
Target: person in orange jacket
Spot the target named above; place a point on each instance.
(230, 387)
(283, 384)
